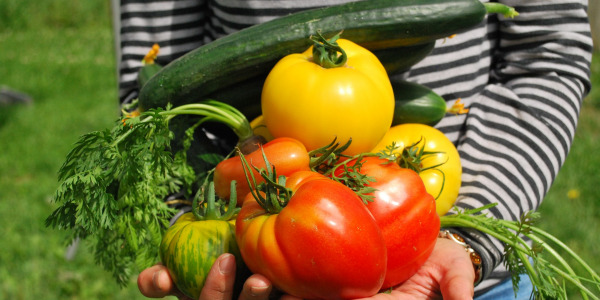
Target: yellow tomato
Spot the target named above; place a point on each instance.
(443, 181)
(315, 105)
(260, 128)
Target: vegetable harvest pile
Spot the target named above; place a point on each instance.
(337, 157)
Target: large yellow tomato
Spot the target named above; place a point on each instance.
(441, 171)
(315, 104)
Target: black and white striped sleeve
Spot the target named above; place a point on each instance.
(177, 26)
(524, 94)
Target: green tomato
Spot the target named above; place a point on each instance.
(190, 247)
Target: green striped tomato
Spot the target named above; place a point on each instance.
(190, 247)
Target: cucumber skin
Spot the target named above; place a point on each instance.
(146, 72)
(374, 24)
(416, 103)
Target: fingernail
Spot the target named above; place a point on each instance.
(227, 264)
(155, 278)
(258, 290)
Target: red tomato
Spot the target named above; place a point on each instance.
(324, 244)
(286, 154)
(406, 215)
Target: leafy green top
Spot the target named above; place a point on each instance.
(114, 183)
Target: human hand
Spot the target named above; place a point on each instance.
(447, 274)
(155, 282)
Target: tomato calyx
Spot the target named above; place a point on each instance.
(272, 194)
(352, 177)
(325, 52)
(412, 156)
(330, 161)
(323, 159)
(205, 205)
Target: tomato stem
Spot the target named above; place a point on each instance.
(325, 52)
(322, 159)
(272, 195)
(211, 208)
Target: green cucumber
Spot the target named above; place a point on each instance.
(146, 72)
(246, 94)
(374, 24)
(416, 103)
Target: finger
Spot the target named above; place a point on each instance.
(155, 282)
(220, 280)
(457, 283)
(457, 286)
(256, 287)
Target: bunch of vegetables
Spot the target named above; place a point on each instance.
(348, 163)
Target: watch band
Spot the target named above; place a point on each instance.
(473, 255)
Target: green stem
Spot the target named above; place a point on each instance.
(547, 248)
(448, 221)
(210, 210)
(454, 221)
(325, 52)
(216, 111)
(573, 278)
(507, 232)
(585, 292)
(212, 111)
(272, 195)
(499, 8)
(232, 210)
(564, 247)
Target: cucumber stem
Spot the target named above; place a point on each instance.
(499, 8)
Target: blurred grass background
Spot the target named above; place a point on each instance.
(61, 53)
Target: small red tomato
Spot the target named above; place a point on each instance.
(286, 154)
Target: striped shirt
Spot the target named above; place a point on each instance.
(523, 80)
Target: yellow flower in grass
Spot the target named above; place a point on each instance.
(573, 194)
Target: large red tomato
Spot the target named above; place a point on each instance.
(405, 213)
(324, 244)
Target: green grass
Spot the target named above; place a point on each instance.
(61, 53)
